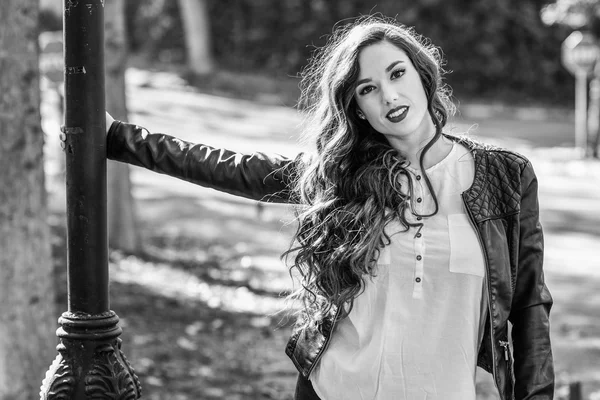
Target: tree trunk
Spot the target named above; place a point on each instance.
(194, 14)
(122, 229)
(594, 114)
(27, 301)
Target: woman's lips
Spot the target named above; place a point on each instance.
(397, 114)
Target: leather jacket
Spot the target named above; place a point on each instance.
(502, 205)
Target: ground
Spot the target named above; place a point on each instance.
(201, 308)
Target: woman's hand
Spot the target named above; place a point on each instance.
(109, 121)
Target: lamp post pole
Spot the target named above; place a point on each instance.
(90, 364)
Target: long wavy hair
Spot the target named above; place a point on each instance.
(348, 189)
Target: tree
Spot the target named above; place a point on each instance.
(27, 312)
(194, 15)
(123, 233)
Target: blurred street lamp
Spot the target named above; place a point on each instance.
(580, 53)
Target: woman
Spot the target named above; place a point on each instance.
(415, 247)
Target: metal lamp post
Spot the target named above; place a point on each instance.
(90, 364)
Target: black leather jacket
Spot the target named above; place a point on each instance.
(502, 205)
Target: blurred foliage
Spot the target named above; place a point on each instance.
(48, 20)
(577, 14)
(496, 49)
(154, 28)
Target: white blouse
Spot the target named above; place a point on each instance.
(414, 333)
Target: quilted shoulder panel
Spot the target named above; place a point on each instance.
(496, 189)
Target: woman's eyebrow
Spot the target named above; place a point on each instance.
(388, 69)
(392, 65)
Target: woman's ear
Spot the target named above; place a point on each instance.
(360, 114)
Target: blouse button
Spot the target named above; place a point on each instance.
(419, 258)
(418, 177)
(419, 200)
(418, 280)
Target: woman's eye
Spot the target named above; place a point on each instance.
(398, 73)
(365, 90)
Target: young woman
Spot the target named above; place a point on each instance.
(415, 247)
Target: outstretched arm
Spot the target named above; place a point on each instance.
(530, 311)
(258, 176)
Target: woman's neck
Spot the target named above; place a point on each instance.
(412, 147)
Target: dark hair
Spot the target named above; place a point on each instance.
(348, 189)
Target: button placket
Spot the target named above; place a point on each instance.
(419, 248)
(418, 193)
(419, 260)
(417, 205)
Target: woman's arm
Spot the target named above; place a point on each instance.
(534, 368)
(258, 176)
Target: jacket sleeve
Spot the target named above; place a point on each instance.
(258, 176)
(530, 311)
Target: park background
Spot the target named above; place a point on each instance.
(199, 288)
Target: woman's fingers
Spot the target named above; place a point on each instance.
(109, 121)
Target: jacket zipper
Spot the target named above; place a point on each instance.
(506, 346)
(326, 344)
(487, 268)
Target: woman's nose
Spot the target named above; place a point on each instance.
(388, 94)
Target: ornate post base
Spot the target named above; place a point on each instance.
(90, 363)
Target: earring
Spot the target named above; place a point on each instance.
(361, 115)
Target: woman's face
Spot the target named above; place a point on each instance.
(390, 94)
